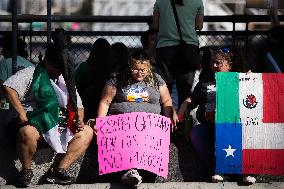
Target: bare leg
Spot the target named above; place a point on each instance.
(77, 146)
(27, 144)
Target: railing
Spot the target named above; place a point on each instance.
(82, 40)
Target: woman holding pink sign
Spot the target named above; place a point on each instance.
(136, 88)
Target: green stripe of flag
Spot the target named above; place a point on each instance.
(227, 97)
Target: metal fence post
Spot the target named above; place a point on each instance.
(14, 35)
(48, 21)
(234, 33)
(247, 38)
(31, 28)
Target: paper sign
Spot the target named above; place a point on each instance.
(133, 140)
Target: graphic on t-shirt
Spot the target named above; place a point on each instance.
(137, 94)
(211, 97)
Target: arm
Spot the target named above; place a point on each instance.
(183, 108)
(81, 114)
(13, 97)
(167, 105)
(106, 99)
(156, 18)
(191, 102)
(199, 21)
(81, 118)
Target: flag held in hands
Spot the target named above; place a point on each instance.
(250, 123)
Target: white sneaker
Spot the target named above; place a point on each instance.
(249, 179)
(132, 177)
(217, 178)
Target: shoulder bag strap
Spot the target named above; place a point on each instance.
(176, 20)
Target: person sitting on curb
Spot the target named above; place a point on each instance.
(202, 136)
(136, 88)
(49, 107)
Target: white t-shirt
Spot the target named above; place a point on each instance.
(21, 83)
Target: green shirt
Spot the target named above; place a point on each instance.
(168, 33)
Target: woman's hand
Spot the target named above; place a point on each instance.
(248, 72)
(183, 109)
(175, 120)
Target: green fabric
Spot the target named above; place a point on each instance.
(168, 33)
(46, 115)
(227, 97)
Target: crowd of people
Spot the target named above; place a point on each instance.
(57, 95)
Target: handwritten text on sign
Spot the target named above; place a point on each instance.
(133, 140)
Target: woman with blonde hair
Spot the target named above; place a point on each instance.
(136, 88)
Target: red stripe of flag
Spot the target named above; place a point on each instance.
(273, 95)
(71, 117)
(263, 161)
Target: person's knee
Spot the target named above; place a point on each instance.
(85, 136)
(28, 134)
(88, 134)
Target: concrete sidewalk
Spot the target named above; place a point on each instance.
(186, 170)
(168, 185)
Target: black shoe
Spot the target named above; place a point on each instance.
(25, 178)
(60, 176)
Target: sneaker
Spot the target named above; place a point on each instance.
(217, 178)
(132, 178)
(249, 179)
(25, 178)
(60, 176)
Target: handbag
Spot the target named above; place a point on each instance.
(185, 52)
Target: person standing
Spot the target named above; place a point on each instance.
(190, 16)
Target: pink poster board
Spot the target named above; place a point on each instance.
(133, 140)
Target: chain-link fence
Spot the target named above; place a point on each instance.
(83, 40)
(81, 44)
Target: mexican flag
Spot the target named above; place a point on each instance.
(249, 123)
(54, 114)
